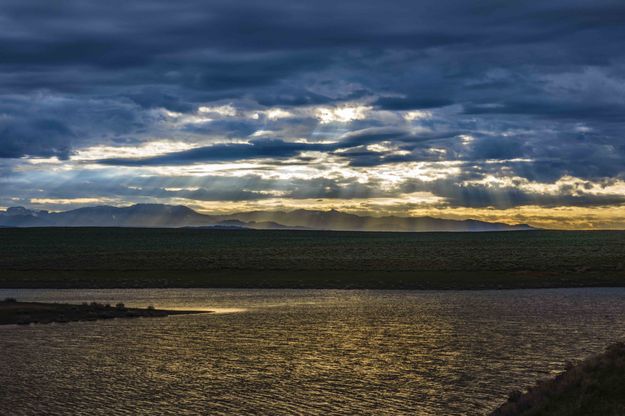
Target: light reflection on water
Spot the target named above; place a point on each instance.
(301, 351)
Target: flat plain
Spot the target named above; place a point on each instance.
(133, 257)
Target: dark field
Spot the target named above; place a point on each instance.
(123, 257)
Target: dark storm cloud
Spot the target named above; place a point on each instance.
(412, 103)
(234, 45)
(228, 128)
(587, 110)
(43, 125)
(457, 194)
(35, 137)
(401, 136)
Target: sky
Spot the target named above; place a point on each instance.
(509, 111)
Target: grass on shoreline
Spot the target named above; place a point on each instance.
(594, 387)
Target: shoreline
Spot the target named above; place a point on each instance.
(13, 312)
(593, 386)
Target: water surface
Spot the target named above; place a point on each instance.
(301, 351)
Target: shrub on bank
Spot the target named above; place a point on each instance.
(595, 386)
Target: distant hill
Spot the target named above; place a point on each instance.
(336, 220)
(141, 215)
(157, 215)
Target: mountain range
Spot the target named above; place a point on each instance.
(174, 216)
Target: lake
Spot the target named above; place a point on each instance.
(301, 351)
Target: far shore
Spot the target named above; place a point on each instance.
(307, 279)
(13, 312)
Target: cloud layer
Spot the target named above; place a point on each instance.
(401, 106)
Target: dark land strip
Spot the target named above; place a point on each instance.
(24, 313)
(161, 258)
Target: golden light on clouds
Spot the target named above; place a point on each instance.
(561, 218)
(342, 114)
(148, 149)
(386, 189)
